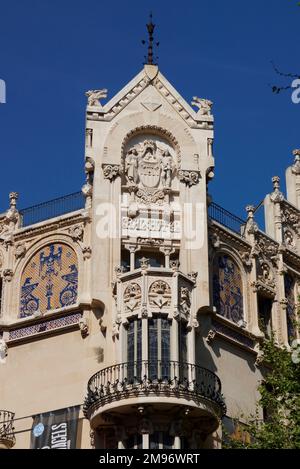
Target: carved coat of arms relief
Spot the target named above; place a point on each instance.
(149, 171)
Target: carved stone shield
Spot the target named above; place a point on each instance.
(149, 173)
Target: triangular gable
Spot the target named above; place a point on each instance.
(151, 75)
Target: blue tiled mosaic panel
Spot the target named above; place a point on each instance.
(44, 326)
(49, 280)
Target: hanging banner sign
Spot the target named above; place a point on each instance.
(56, 429)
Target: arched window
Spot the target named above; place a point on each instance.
(49, 280)
(289, 286)
(228, 288)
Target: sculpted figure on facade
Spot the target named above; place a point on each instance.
(131, 166)
(94, 96)
(204, 105)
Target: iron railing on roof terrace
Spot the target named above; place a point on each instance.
(52, 208)
(76, 201)
(225, 218)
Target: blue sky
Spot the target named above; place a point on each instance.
(51, 52)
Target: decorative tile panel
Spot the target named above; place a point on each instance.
(45, 326)
(227, 288)
(49, 280)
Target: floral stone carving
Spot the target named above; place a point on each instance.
(160, 294)
(132, 296)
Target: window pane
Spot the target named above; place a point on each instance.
(152, 344)
(154, 440)
(134, 349)
(168, 441)
(165, 348)
(139, 348)
(182, 341)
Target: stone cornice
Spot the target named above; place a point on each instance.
(229, 235)
(51, 225)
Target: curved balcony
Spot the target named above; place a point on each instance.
(7, 436)
(162, 385)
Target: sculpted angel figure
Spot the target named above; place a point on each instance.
(94, 96)
(204, 105)
(131, 166)
(167, 167)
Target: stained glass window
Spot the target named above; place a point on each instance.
(289, 285)
(227, 288)
(158, 356)
(134, 349)
(159, 347)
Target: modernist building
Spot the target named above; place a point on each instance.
(140, 299)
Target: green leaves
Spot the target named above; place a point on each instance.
(280, 399)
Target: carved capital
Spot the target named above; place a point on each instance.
(190, 178)
(111, 171)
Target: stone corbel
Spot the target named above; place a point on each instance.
(76, 232)
(210, 336)
(111, 171)
(144, 263)
(8, 275)
(87, 252)
(193, 276)
(284, 303)
(84, 327)
(3, 350)
(246, 259)
(174, 265)
(20, 250)
(115, 329)
(189, 178)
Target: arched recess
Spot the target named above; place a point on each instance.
(126, 127)
(48, 276)
(228, 286)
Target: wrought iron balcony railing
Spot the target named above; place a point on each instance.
(52, 208)
(225, 218)
(7, 436)
(140, 378)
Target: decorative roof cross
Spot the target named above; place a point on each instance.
(150, 28)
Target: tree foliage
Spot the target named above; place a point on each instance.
(280, 399)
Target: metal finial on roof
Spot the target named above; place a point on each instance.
(150, 28)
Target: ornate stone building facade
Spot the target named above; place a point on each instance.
(141, 300)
